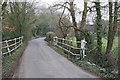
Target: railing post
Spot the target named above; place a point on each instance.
(56, 40)
(15, 43)
(0, 49)
(21, 40)
(63, 42)
(71, 42)
(83, 42)
(8, 47)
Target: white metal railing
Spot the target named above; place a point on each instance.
(16, 43)
(67, 46)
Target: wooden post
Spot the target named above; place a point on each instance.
(8, 47)
(21, 40)
(67, 42)
(83, 42)
(15, 43)
(1, 49)
(66, 47)
(63, 43)
(71, 56)
(56, 40)
(71, 43)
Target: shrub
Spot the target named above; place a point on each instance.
(49, 36)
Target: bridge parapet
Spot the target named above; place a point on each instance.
(67, 45)
(8, 46)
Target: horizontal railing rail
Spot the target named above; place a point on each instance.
(8, 46)
(67, 45)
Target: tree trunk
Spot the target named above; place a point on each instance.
(74, 22)
(98, 28)
(112, 28)
(83, 22)
(119, 52)
(119, 45)
(78, 36)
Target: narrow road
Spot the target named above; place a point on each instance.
(41, 61)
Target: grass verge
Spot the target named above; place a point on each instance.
(84, 64)
(10, 63)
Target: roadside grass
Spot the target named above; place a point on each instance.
(104, 44)
(86, 65)
(89, 66)
(74, 39)
(59, 50)
(115, 45)
(9, 63)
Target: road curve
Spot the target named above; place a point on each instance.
(41, 61)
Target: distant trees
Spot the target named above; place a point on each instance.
(42, 26)
(50, 21)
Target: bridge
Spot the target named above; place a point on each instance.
(41, 61)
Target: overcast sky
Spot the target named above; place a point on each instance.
(79, 5)
(51, 2)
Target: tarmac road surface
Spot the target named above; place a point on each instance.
(41, 61)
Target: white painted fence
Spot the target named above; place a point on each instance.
(5, 45)
(60, 42)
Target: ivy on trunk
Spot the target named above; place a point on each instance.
(98, 27)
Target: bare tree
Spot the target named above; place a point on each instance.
(69, 5)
